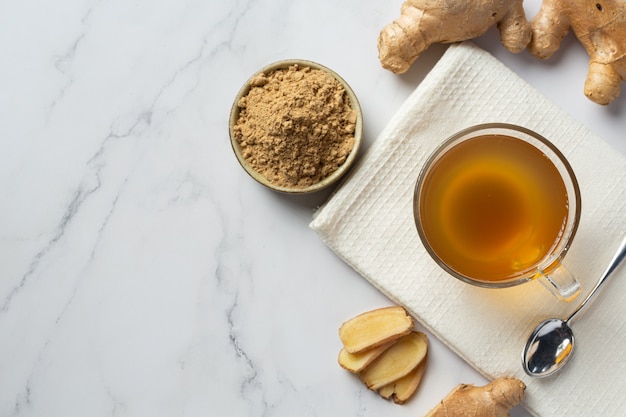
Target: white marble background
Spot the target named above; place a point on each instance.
(142, 272)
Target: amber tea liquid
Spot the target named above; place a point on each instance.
(492, 207)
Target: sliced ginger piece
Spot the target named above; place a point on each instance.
(397, 361)
(356, 362)
(375, 328)
(403, 389)
(494, 399)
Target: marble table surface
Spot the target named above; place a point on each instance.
(142, 272)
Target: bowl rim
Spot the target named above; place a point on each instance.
(339, 172)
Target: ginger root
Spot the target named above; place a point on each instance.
(396, 362)
(356, 362)
(381, 347)
(375, 328)
(402, 389)
(425, 22)
(600, 26)
(492, 400)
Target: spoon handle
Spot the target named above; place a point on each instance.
(617, 259)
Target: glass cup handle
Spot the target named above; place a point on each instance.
(560, 282)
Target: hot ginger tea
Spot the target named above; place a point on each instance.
(492, 207)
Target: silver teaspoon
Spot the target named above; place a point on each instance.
(551, 343)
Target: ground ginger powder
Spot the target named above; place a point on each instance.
(295, 126)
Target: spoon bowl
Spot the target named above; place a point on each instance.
(551, 344)
(548, 347)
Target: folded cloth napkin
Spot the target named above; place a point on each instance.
(369, 223)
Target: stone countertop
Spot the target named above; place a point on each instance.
(144, 273)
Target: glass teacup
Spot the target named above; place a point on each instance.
(497, 205)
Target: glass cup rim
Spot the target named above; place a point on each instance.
(575, 204)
